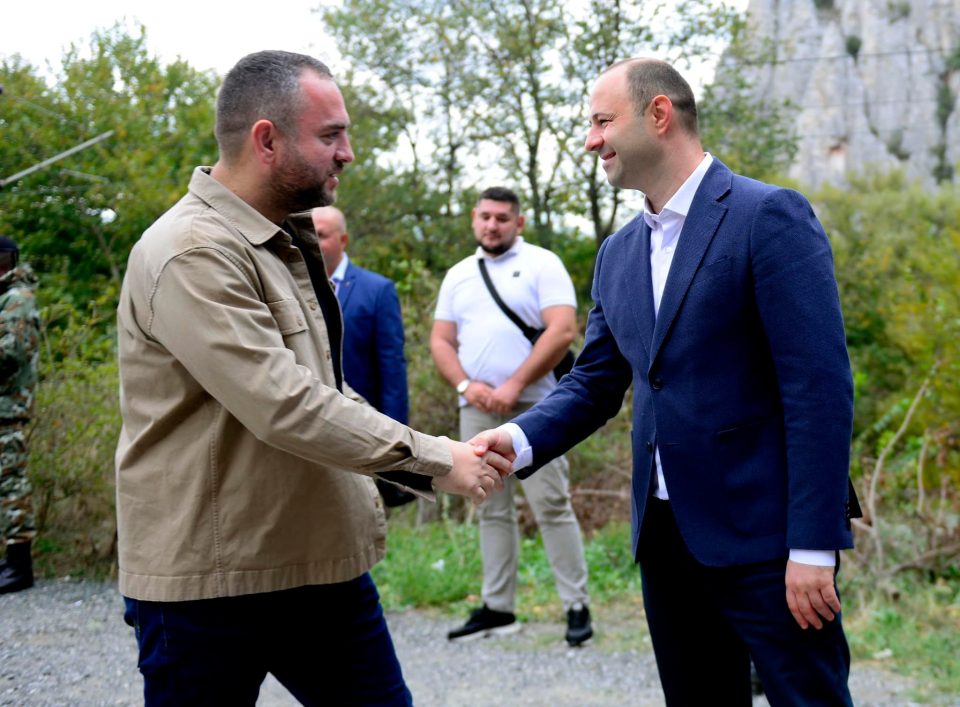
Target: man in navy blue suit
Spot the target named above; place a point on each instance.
(718, 303)
(373, 361)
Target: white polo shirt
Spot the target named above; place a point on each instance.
(490, 347)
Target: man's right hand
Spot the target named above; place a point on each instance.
(475, 474)
(497, 441)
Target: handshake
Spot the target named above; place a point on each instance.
(479, 466)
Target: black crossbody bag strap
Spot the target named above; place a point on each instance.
(528, 331)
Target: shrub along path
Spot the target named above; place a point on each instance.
(65, 643)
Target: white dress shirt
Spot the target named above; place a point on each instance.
(665, 228)
(339, 272)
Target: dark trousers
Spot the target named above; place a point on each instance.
(707, 622)
(327, 644)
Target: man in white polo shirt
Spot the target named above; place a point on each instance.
(498, 373)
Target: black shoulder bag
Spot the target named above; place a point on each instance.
(566, 363)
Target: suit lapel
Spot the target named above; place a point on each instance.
(698, 230)
(639, 281)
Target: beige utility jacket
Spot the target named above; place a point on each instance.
(235, 458)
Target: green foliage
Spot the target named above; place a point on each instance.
(77, 219)
(438, 564)
(853, 44)
(897, 253)
(431, 565)
(510, 94)
(72, 439)
(914, 627)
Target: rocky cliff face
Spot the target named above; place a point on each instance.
(875, 83)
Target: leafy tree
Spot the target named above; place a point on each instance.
(489, 83)
(897, 248)
(78, 218)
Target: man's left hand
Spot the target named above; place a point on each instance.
(504, 397)
(811, 594)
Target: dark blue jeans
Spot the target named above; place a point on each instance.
(327, 644)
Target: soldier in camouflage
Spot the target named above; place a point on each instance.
(19, 344)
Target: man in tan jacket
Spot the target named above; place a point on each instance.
(247, 513)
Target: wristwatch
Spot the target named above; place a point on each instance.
(463, 385)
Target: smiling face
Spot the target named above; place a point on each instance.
(306, 172)
(625, 141)
(496, 225)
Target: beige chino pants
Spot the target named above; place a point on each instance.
(548, 493)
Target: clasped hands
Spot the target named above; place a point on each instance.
(500, 400)
(479, 466)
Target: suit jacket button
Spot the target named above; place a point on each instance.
(657, 383)
(649, 446)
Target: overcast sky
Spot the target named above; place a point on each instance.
(209, 34)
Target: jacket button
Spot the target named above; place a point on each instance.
(657, 383)
(649, 446)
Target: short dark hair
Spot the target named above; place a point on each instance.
(501, 194)
(647, 78)
(263, 85)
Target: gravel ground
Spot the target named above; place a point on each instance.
(65, 643)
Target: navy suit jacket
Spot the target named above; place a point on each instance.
(373, 360)
(742, 380)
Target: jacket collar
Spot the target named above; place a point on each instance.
(253, 225)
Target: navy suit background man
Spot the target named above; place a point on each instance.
(719, 305)
(373, 361)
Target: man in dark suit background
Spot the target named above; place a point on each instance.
(719, 305)
(373, 360)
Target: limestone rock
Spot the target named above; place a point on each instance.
(874, 83)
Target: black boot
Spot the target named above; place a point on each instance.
(17, 573)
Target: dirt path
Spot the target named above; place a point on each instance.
(65, 643)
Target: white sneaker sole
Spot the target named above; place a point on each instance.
(498, 631)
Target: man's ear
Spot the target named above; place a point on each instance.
(661, 111)
(264, 137)
(344, 239)
(520, 221)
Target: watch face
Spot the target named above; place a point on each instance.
(462, 386)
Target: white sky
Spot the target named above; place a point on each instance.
(209, 34)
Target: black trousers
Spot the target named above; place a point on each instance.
(707, 622)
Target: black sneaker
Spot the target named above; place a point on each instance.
(485, 622)
(579, 630)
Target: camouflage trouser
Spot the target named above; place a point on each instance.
(16, 508)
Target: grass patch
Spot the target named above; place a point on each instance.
(438, 565)
(912, 628)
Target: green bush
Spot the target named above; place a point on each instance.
(71, 441)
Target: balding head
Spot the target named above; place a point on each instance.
(331, 227)
(647, 78)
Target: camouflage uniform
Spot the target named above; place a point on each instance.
(19, 345)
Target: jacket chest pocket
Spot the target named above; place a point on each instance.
(289, 316)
